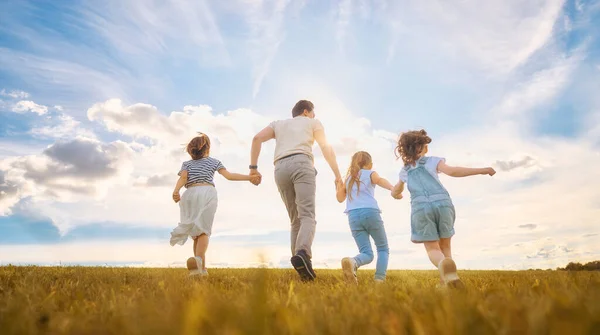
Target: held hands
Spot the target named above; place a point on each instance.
(176, 196)
(255, 177)
(490, 171)
(397, 196)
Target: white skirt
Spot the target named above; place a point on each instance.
(197, 209)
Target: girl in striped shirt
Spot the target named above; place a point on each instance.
(198, 204)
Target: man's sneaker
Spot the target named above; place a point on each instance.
(379, 281)
(349, 268)
(194, 265)
(448, 274)
(302, 264)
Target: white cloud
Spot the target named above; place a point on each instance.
(29, 106)
(63, 127)
(233, 129)
(15, 94)
(139, 120)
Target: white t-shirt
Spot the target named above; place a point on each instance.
(295, 136)
(431, 167)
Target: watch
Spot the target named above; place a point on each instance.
(253, 167)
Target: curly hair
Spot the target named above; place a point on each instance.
(199, 147)
(411, 144)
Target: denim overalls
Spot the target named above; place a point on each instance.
(432, 212)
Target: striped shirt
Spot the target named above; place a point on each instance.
(201, 170)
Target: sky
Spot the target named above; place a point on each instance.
(98, 99)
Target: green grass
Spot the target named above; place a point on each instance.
(84, 300)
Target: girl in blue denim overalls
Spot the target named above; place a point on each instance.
(364, 216)
(432, 211)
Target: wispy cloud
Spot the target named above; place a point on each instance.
(67, 77)
(344, 15)
(507, 33)
(125, 50)
(267, 31)
(185, 29)
(15, 94)
(525, 162)
(528, 226)
(539, 87)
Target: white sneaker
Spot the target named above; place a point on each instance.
(194, 265)
(204, 273)
(448, 273)
(379, 281)
(349, 268)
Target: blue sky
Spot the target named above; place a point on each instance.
(96, 100)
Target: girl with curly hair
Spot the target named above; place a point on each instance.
(432, 210)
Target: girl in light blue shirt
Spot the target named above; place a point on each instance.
(364, 216)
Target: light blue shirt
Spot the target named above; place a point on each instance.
(363, 197)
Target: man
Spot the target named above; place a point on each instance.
(295, 176)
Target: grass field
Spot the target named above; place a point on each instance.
(84, 300)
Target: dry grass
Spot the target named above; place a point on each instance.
(81, 300)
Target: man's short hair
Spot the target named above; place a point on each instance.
(301, 106)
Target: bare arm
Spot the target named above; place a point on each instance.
(340, 193)
(459, 171)
(264, 135)
(328, 153)
(397, 190)
(234, 176)
(180, 183)
(381, 182)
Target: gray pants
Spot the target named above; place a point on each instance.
(296, 180)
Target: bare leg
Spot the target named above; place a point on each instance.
(441, 256)
(445, 247)
(201, 246)
(434, 252)
(195, 244)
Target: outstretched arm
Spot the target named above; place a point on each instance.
(234, 176)
(381, 182)
(328, 153)
(180, 183)
(459, 171)
(397, 190)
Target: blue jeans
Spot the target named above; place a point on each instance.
(365, 222)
